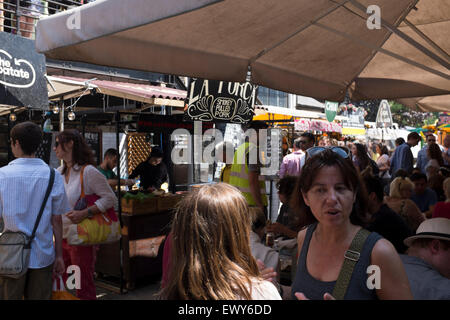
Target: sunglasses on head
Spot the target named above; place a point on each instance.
(341, 151)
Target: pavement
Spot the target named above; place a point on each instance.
(144, 290)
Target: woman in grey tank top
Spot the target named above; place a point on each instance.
(330, 190)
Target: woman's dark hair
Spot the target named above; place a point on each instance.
(383, 149)
(352, 181)
(362, 156)
(400, 173)
(81, 152)
(286, 185)
(29, 136)
(434, 152)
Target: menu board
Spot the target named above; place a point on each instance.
(220, 101)
(93, 139)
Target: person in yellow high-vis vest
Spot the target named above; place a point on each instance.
(246, 173)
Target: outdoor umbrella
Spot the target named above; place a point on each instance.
(318, 48)
(430, 104)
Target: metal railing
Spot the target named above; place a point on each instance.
(20, 16)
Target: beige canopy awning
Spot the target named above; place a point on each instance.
(61, 88)
(433, 104)
(408, 69)
(317, 48)
(70, 87)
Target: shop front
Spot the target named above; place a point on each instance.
(22, 85)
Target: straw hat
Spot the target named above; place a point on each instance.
(436, 228)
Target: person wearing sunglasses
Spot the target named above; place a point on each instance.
(423, 156)
(330, 191)
(78, 162)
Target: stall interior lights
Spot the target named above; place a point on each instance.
(55, 109)
(71, 115)
(12, 116)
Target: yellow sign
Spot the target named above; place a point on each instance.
(354, 131)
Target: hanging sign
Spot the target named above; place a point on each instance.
(220, 101)
(384, 116)
(316, 125)
(331, 110)
(353, 117)
(22, 70)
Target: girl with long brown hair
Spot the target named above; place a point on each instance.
(210, 254)
(78, 162)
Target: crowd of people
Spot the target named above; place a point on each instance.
(344, 211)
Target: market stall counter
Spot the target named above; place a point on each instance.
(146, 221)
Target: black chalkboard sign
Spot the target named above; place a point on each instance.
(220, 101)
(93, 139)
(44, 149)
(22, 70)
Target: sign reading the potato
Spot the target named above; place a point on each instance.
(22, 70)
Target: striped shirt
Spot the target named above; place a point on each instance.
(22, 189)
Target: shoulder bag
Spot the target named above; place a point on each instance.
(15, 247)
(351, 257)
(101, 228)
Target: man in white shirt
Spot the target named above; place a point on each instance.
(23, 183)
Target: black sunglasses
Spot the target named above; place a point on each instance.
(56, 144)
(341, 151)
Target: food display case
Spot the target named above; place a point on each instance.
(146, 222)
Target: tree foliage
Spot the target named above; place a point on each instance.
(401, 114)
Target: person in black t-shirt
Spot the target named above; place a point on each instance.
(383, 219)
(152, 172)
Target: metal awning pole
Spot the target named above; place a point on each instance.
(119, 204)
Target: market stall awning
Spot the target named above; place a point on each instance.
(444, 127)
(317, 125)
(265, 113)
(353, 131)
(430, 104)
(149, 94)
(313, 48)
(406, 67)
(61, 88)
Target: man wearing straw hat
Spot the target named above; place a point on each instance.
(427, 262)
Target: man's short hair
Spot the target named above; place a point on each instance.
(297, 143)
(29, 136)
(374, 184)
(418, 176)
(308, 135)
(425, 242)
(414, 135)
(110, 153)
(286, 185)
(156, 153)
(399, 141)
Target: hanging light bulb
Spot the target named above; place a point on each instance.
(55, 109)
(71, 115)
(12, 117)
